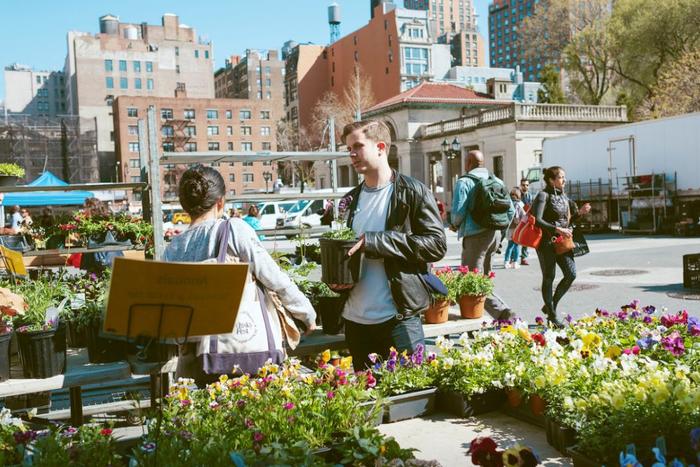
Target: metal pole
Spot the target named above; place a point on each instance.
(154, 171)
(334, 162)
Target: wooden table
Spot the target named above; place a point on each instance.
(79, 372)
(318, 342)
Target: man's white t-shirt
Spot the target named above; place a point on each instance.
(370, 301)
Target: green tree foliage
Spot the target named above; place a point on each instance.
(551, 92)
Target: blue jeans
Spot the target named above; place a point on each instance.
(364, 339)
(512, 252)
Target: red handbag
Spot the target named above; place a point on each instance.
(527, 233)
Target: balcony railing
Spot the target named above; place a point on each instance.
(528, 112)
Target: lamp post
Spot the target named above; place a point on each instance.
(267, 176)
(451, 150)
(116, 171)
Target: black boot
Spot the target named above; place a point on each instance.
(552, 317)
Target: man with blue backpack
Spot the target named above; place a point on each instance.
(481, 209)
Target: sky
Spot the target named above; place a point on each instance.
(34, 33)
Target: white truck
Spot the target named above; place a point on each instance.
(641, 176)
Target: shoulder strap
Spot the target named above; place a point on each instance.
(222, 235)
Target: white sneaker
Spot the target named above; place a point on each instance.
(507, 266)
(515, 265)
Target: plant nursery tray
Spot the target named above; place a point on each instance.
(560, 437)
(467, 406)
(410, 405)
(523, 412)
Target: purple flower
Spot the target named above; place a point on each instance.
(288, 406)
(648, 319)
(148, 447)
(622, 315)
(393, 354)
(240, 403)
(539, 320)
(569, 318)
(69, 432)
(249, 423)
(635, 314)
(650, 309)
(695, 438)
(417, 357)
(674, 344)
(431, 356)
(185, 402)
(258, 437)
(330, 395)
(24, 437)
(391, 365)
(694, 326)
(646, 342)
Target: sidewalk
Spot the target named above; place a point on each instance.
(446, 439)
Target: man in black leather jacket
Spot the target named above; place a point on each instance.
(400, 232)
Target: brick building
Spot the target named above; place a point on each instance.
(192, 124)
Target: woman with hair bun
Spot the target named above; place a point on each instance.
(201, 193)
(555, 213)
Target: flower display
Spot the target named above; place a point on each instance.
(401, 373)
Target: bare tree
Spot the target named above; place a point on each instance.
(676, 91)
(573, 34)
(289, 138)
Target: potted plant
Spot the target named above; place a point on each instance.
(11, 305)
(336, 266)
(439, 311)
(406, 382)
(41, 339)
(471, 289)
(329, 307)
(10, 173)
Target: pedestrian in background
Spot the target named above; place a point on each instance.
(554, 213)
(253, 221)
(526, 198)
(512, 256)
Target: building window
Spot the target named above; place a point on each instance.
(266, 146)
(212, 114)
(108, 65)
(135, 163)
(133, 130)
(167, 130)
(247, 146)
(265, 131)
(248, 164)
(149, 84)
(124, 83)
(189, 114)
(213, 131)
(498, 166)
(213, 146)
(206, 54)
(168, 147)
(135, 179)
(264, 114)
(229, 115)
(229, 146)
(190, 131)
(132, 112)
(229, 131)
(109, 82)
(166, 114)
(137, 66)
(133, 147)
(196, 53)
(248, 178)
(137, 83)
(191, 147)
(177, 69)
(122, 65)
(246, 130)
(231, 178)
(245, 114)
(177, 51)
(260, 95)
(149, 67)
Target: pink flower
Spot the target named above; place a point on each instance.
(492, 275)
(185, 402)
(258, 437)
(330, 395)
(105, 431)
(288, 405)
(371, 380)
(674, 344)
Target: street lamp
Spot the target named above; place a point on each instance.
(267, 176)
(451, 150)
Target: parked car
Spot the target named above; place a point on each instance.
(305, 213)
(181, 218)
(271, 211)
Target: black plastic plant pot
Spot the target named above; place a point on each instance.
(330, 309)
(102, 349)
(336, 266)
(43, 353)
(55, 242)
(457, 404)
(8, 180)
(5, 340)
(76, 336)
(148, 350)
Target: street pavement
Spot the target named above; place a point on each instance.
(619, 269)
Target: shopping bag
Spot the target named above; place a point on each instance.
(527, 233)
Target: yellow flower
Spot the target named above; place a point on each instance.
(591, 340)
(524, 334)
(640, 394)
(613, 352)
(618, 401)
(223, 379)
(660, 395)
(508, 329)
(326, 356)
(346, 363)
(540, 381)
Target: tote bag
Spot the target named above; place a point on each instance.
(527, 233)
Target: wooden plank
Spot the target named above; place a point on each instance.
(79, 372)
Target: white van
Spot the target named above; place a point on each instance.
(271, 211)
(305, 213)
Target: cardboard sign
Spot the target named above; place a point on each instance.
(211, 293)
(15, 262)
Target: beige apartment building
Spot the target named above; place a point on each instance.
(132, 59)
(34, 93)
(195, 124)
(257, 75)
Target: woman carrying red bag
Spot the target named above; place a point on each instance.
(555, 213)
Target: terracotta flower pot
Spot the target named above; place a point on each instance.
(471, 306)
(438, 312)
(515, 397)
(537, 405)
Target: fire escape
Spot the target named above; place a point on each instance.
(175, 140)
